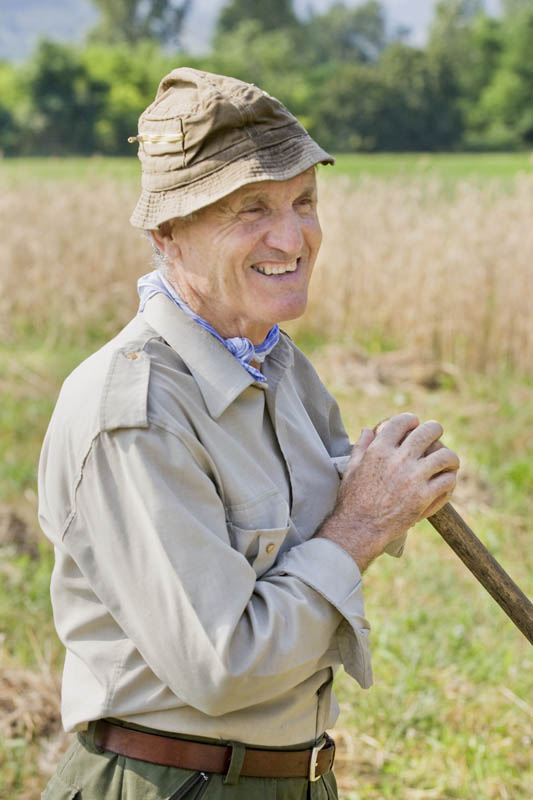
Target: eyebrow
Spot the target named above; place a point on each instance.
(261, 197)
(253, 197)
(310, 190)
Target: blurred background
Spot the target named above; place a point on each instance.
(397, 75)
(420, 301)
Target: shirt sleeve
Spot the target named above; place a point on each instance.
(149, 533)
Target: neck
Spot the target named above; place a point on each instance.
(256, 333)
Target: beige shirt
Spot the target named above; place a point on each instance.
(182, 498)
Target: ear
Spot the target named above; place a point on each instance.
(165, 240)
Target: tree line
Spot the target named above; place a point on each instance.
(356, 85)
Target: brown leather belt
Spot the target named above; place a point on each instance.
(200, 757)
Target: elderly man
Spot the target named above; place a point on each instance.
(208, 555)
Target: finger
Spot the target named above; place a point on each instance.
(380, 424)
(366, 438)
(394, 430)
(441, 489)
(360, 447)
(422, 437)
(443, 483)
(433, 447)
(440, 459)
(435, 506)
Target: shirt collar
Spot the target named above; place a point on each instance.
(220, 377)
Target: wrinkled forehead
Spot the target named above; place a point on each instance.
(303, 182)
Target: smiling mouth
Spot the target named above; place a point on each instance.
(276, 269)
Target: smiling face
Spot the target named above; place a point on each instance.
(244, 263)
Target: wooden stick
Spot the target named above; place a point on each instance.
(485, 568)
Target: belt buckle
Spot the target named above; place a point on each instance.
(313, 762)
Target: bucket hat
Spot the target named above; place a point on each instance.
(205, 136)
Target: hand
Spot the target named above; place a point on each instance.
(396, 476)
(443, 499)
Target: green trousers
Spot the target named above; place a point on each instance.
(88, 773)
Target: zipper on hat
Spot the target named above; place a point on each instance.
(157, 138)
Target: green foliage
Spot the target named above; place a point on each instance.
(8, 132)
(355, 86)
(427, 117)
(130, 75)
(270, 15)
(65, 101)
(133, 21)
(346, 34)
(9, 91)
(512, 7)
(356, 107)
(401, 104)
(490, 64)
(268, 59)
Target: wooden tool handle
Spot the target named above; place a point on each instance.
(484, 566)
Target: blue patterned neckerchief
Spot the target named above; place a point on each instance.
(239, 346)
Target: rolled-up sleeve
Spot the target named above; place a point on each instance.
(148, 531)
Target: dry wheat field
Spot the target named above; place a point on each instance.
(403, 264)
(420, 301)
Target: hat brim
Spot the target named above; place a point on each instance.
(278, 162)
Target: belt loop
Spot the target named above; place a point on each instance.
(89, 737)
(238, 751)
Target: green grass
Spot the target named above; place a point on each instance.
(25, 609)
(448, 166)
(31, 374)
(15, 171)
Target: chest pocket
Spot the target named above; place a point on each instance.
(258, 528)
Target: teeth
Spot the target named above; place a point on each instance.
(276, 269)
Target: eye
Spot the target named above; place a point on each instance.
(251, 213)
(306, 203)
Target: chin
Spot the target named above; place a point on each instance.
(277, 313)
(292, 311)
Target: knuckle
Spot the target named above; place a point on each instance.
(405, 418)
(379, 447)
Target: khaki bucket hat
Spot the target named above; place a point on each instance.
(206, 135)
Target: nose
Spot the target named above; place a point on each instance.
(285, 233)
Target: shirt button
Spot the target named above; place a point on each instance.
(133, 356)
(270, 547)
